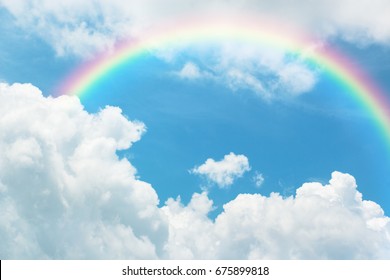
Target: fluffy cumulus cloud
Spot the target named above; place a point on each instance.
(65, 194)
(223, 172)
(320, 222)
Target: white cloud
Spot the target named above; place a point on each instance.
(65, 194)
(190, 71)
(84, 27)
(258, 179)
(267, 72)
(320, 222)
(190, 230)
(297, 79)
(223, 172)
(24, 152)
(237, 79)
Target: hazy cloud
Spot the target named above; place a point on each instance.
(190, 71)
(84, 27)
(237, 79)
(258, 179)
(296, 79)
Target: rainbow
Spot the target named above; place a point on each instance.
(361, 87)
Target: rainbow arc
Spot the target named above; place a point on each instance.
(360, 86)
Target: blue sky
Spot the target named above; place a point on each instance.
(288, 142)
(196, 124)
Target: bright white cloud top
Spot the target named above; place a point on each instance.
(62, 182)
(64, 193)
(224, 172)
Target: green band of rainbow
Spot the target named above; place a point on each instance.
(361, 88)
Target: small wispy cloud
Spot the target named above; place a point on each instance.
(190, 71)
(238, 79)
(258, 179)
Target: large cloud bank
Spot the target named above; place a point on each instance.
(65, 194)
